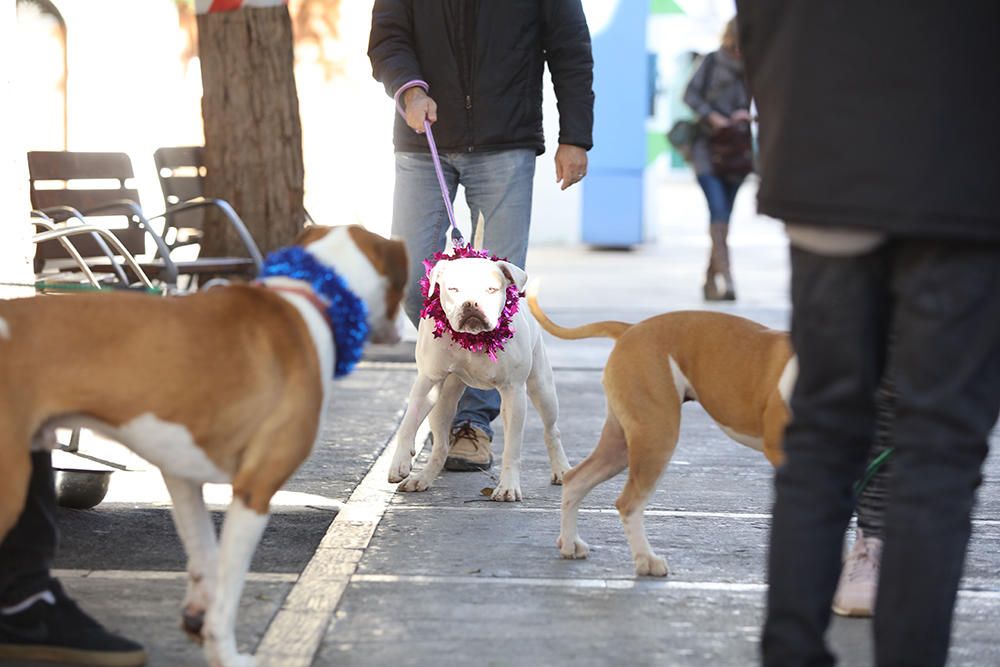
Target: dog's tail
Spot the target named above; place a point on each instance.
(480, 232)
(606, 329)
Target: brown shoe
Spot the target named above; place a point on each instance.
(470, 449)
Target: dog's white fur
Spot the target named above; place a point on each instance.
(473, 293)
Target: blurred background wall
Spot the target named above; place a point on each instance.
(121, 75)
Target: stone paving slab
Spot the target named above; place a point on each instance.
(124, 537)
(440, 622)
(449, 565)
(508, 541)
(148, 611)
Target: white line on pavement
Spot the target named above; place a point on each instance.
(690, 514)
(612, 584)
(294, 635)
(617, 584)
(150, 575)
(592, 510)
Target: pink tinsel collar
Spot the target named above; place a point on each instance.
(489, 342)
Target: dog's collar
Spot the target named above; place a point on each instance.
(345, 313)
(490, 342)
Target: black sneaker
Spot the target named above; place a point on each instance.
(63, 633)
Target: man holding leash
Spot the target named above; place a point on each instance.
(474, 71)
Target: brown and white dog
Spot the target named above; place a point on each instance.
(226, 385)
(740, 371)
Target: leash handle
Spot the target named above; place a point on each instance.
(456, 235)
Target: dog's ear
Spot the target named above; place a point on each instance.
(434, 277)
(311, 234)
(392, 261)
(513, 274)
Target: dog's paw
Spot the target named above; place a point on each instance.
(650, 565)
(235, 660)
(399, 470)
(239, 660)
(575, 550)
(227, 658)
(557, 476)
(414, 483)
(192, 621)
(506, 494)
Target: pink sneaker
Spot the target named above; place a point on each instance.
(859, 578)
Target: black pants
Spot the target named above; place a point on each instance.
(874, 495)
(942, 302)
(27, 552)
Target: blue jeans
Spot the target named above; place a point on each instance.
(721, 194)
(498, 184)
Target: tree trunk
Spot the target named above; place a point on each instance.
(253, 138)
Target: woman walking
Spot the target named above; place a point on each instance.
(722, 151)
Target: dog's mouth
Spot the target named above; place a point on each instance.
(473, 323)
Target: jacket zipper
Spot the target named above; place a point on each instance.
(468, 117)
(469, 28)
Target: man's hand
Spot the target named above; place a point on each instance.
(419, 106)
(571, 165)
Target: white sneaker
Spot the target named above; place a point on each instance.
(858, 584)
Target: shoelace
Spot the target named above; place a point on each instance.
(465, 430)
(858, 567)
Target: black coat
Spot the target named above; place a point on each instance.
(483, 60)
(882, 114)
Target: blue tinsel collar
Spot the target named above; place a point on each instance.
(346, 313)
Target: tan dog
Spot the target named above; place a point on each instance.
(741, 372)
(227, 385)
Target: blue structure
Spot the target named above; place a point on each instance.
(613, 190)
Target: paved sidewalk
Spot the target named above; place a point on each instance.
(447, 577)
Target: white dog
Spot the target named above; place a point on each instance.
(473, 292)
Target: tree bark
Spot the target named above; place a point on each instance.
(253, 137)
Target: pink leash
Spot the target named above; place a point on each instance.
(456, 235)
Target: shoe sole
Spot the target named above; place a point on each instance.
(72, 655)
(465, 465)
(853, 612)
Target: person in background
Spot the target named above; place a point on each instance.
(721, 153)
(890, 206)
(38, 620)
(473, 69)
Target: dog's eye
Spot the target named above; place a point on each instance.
(452, 289)
(492, 290)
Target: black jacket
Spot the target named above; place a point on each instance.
(880, 114)
(483, 60)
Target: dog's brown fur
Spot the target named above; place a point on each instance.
(731, 365)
